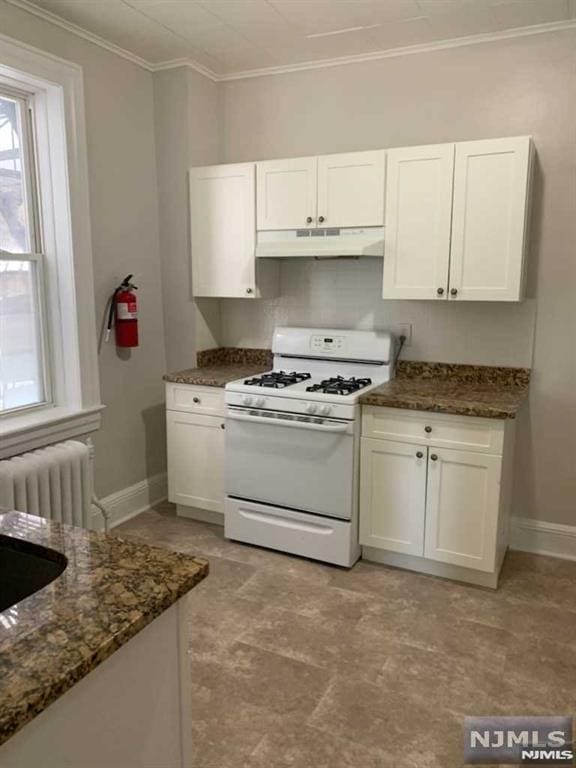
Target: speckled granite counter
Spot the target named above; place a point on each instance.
(110, 590)
(216, 367)
(466, 390)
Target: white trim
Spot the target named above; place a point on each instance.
(58, 96)
(58, 21)
(131, 501)
(543, 538)
(37, 428)
(438, 45)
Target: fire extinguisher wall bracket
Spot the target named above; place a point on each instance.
(123, 314)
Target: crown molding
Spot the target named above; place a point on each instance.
(438, 45)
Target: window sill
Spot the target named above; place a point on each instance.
(28, 431)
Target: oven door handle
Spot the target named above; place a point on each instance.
(278, 422)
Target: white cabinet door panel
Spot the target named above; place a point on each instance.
(392, 496)
(286, 193)
(490, 214)
(462, 508)
(351, 189)
(223, 230)
(418, 216)
(195, 460)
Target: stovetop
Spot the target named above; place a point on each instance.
(333, 385)
(277, 379)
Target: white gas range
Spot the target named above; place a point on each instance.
(292, 442)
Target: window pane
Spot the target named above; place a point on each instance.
(21, 370)
(14, 230)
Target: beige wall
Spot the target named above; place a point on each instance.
(513, 87)
(124, 213)
(188, 124)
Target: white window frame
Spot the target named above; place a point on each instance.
(55, 87)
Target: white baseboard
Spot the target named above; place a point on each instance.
(543, 538)
(129, 502)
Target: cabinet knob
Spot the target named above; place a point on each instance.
(453, 291)
(222, 426)
(428, 429)
(434, 457)
(196, 400)
(321, 219)
(440, 291)
(419, 455)
(309, 220)
(248, 290)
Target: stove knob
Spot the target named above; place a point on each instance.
(325, 410)
(312, 408)
(247, 400)
(260, 402)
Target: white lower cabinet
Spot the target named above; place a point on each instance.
(430, 508)
(393, 496)
(195, 452)
(462, 506)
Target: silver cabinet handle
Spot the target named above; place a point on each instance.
(428, 429)
(419, 455)
(440, 291)
(196, 400)
(453, 291)
(248, 290)
(434, 457)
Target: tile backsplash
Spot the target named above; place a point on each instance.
(344, 293)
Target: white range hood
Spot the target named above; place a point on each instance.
(320, 243)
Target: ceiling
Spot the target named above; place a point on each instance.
(227, 37)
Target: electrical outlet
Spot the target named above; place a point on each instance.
(404, 329)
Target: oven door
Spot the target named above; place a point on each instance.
(302, 463)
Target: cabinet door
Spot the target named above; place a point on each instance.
(418, 214)
(286, 193)
(351, 189)
(462, 502)
(490, 216)
(223, 230)
(392, 496)
(195, 460)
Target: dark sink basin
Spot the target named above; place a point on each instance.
(25, 568)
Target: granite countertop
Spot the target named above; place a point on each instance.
(216, 367)
(110, 590)
(466, 390)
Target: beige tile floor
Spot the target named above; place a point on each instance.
(297, 664)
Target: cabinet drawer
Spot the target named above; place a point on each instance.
(192, 399)
(434, 429)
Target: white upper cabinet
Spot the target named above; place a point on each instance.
(457, 220)
(489, 220)
(286, 192)
(351, 189)
(223, 233)
(418, 214)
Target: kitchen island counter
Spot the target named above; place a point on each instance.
(110, 590)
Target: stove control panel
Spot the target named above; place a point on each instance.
(321, 343)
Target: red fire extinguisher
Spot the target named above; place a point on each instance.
(124, 314)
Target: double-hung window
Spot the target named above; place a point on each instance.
(49, 387)
(25, 380)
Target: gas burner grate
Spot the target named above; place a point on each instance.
(339, 386)
(277, 379)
